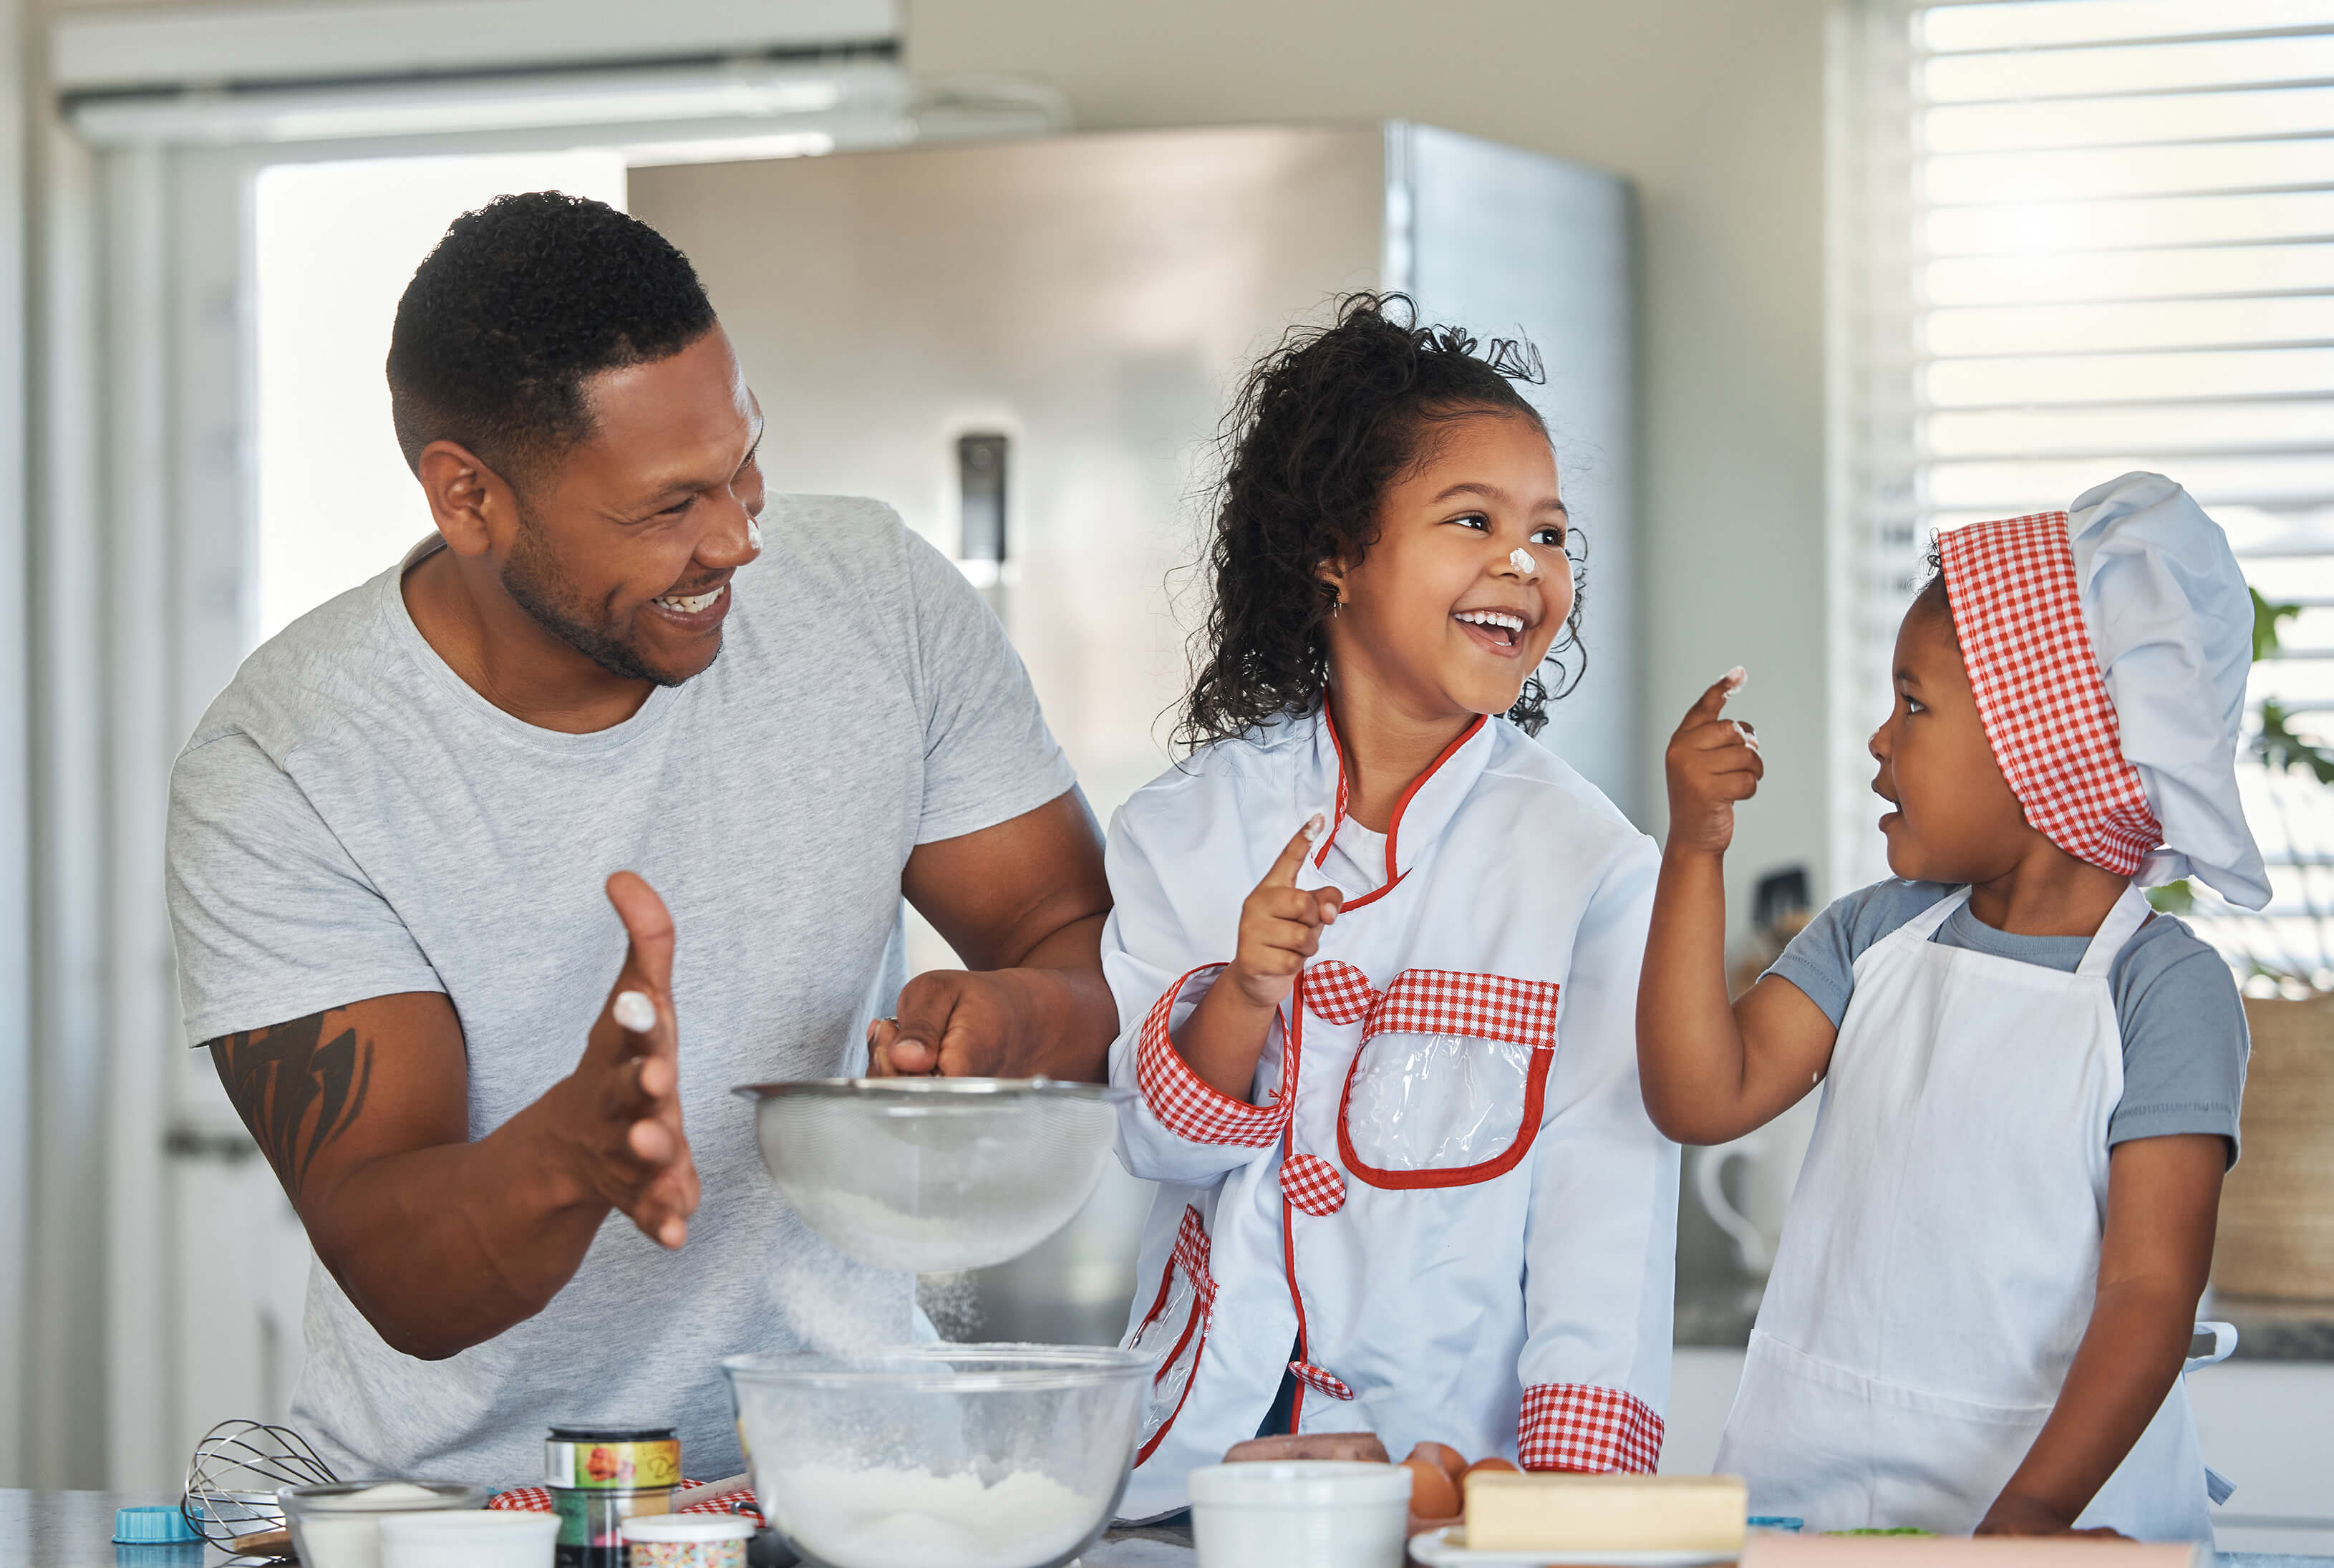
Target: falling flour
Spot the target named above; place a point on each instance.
(825, 1300)
(971, 1236)
(951, 1303)
(885, 1517)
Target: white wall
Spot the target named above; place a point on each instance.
(1714, 107)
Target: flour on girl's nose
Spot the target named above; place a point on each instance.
(1521, 559)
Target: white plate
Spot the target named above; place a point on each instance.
(1444, 1548)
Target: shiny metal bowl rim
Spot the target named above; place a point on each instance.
(450, 1495)
(934, 1093)
(929, 1368)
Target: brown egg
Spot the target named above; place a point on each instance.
(1493, 1463)
(1431, 1494)
(1453, 1462)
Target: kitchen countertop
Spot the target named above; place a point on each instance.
(1719, 1316)
(75, 1530)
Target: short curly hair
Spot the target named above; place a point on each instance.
(1322, 425)
(1930, 597)
(520, 303)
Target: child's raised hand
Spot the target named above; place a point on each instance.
(1280, 926)
(1712, 761)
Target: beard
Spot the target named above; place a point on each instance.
(539, 584)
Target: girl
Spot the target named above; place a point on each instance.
(1990, 1268)
(1384, 1067)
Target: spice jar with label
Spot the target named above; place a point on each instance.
(687, 1541)
(600, 1476)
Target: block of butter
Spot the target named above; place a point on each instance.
(1555, 1512)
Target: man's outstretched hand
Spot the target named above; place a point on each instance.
(621, 1108)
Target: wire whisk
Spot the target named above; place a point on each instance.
(236, 1471)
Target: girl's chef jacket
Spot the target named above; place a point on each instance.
(1445, 1211)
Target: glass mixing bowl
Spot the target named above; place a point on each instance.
(935, 1175)
(944, 1455)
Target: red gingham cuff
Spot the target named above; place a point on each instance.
(1584, 1427)
(1185, 1105)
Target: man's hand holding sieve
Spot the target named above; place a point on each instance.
(620, 1110)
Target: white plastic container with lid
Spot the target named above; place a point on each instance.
(1300, 1513)
(479, 1539)
(687, 1541)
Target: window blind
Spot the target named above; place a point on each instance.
(2073, 238)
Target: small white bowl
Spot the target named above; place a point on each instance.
(478, 1539)
(1300, 1513)
(337, 1524)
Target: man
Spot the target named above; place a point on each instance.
(613, 666)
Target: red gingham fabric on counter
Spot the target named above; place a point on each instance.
(1320, 1381)
(1187, 1106)
(1586, 1428)
(537, 1500)
(2045, 704)
(1312, 1184)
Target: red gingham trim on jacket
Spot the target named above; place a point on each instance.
(1185, 1104)
(2037, 681)
(1586, 1428)
(1320, 1381)
(1312, 1184)
(1190, 1255)
(1435, 1002)
(1337, 992)
(1480, 1006)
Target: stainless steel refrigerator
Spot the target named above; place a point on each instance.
(1028, 348)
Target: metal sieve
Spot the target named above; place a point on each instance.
(935, 1175)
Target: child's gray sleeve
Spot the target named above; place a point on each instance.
(2183, 1042)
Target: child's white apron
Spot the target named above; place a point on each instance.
(1941, 1251)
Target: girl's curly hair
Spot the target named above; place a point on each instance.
(1322, 426)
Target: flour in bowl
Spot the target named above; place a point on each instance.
(883, 1518)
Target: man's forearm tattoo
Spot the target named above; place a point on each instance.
(295, 1089)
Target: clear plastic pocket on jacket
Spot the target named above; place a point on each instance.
(1440, 1110)
(1174, 1331)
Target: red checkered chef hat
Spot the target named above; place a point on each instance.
(2107, 647)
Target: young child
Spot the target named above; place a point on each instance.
(1376, 953)
(1991, 1265)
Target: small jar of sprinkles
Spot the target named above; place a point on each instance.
(687, 1541)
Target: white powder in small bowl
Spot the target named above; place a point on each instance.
(352, 1540)
(389, 1495)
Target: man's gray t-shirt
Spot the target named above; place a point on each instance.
(351, 819)
(2184, 1026)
